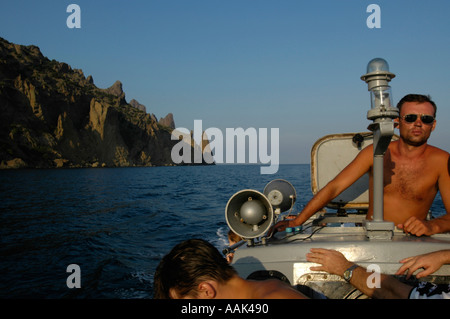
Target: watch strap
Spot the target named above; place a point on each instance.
(349, 272)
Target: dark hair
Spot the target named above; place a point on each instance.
(418, 98)
(186, 265)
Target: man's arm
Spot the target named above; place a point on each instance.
(420, 227)
(442, 224)
(335, 262)
(430, 263)
(350, 174)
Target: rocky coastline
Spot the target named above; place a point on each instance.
(52, 116)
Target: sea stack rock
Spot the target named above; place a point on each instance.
(168, 121)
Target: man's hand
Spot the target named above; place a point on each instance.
(417, 227)
(280, 226)
(331, 261)
(430, 262)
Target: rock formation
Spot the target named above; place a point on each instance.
(138, 105)
(168, 121)
(53, 116)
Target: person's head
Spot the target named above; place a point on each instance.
(416, 118)
(233, 238)
(417, 98)
(188, 269)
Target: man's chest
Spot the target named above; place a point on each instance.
(410, 179)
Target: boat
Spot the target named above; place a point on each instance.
(374, 244)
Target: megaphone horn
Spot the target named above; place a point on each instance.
(249, 213)
(281, 194)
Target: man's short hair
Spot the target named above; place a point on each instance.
(418, 98)
(187, 265)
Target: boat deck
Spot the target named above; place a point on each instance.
(286, 255)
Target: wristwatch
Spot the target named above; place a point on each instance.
(349, 273)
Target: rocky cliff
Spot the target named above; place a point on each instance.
(53, 116)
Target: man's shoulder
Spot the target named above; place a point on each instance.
(437, 152)
(277, 289)
(367, 150)
(438, 160)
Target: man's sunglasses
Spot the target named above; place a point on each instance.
(411, 118)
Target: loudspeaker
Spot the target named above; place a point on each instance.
(281, 195)
(249, 213)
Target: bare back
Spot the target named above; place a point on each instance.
(274, 289)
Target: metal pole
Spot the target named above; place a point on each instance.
(378, 188)
(382, 113)
(378, 228)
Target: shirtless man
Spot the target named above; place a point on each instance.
(413, 174)
(194, 269)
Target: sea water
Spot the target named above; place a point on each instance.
(115, 223)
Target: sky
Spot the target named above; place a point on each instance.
(291, 65)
